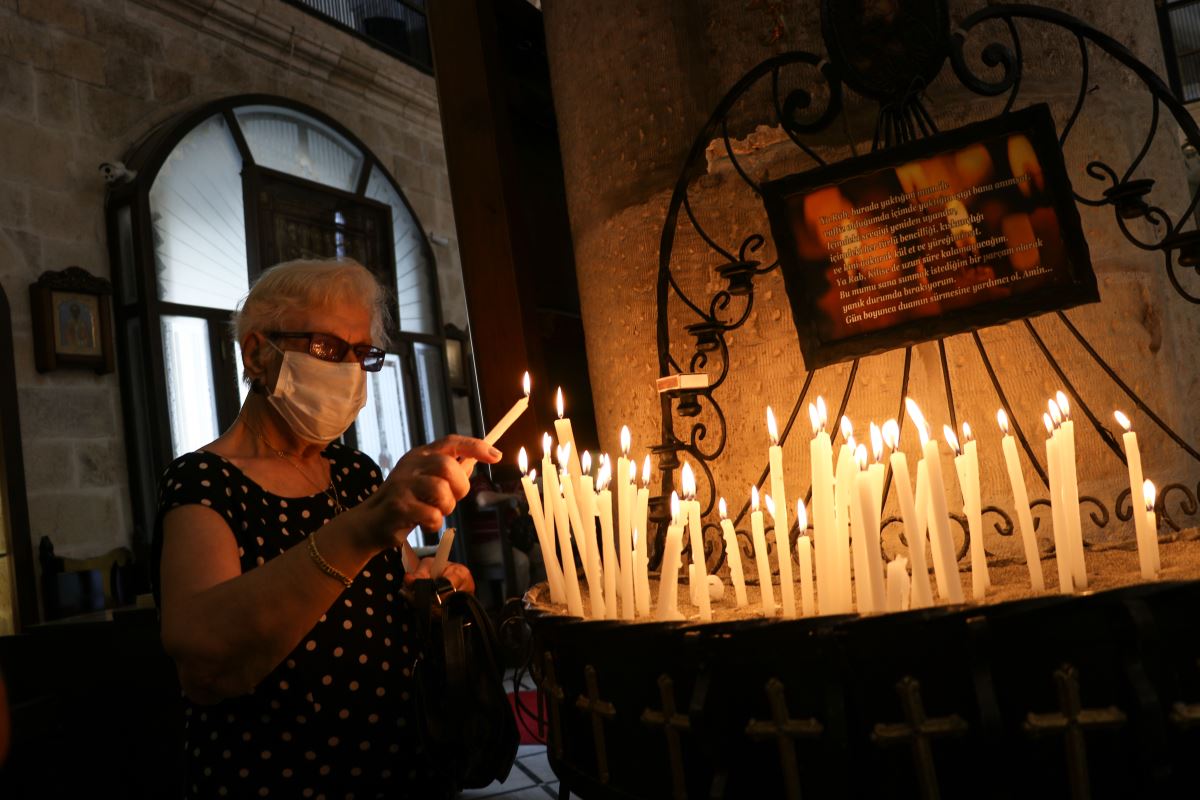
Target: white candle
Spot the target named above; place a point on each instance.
(939, 515)
(808, 601)
(588, 553)
(922, 506)
(868, 559)
(518, 408)
(897, 584)
(821, 456)
(1062, 550)
(760, 555)
(625, 527)
(787, 587)
(611, 569)
(843, 492)
(442, 556)
(642, 559)
(733, 553)
(876, 470)
(698, 586)
(979, 582)
(570, 576)
(921, 596)
(545, 541)
(566, 437)
(668, 581)
(1145, 532)
(1152, 561)
(1070, 489)
(1021, 499)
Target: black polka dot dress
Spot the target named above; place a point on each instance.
(337, 718)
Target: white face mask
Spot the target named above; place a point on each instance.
(318, 399)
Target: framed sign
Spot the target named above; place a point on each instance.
(966, 229)
(72, 321)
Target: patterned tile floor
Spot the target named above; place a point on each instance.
(531, 777)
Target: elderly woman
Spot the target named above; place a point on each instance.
(280, 566)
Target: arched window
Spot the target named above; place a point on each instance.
(209, 200)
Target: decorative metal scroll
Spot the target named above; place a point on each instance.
(693, 422)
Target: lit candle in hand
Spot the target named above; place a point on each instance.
(782, 539)
(760, 555)
(922, 597)
(1021, 499)
(734, 554)
(518, 408)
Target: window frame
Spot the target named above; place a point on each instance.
(1171, 56)
(143, 380)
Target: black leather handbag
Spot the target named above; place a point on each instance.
(467, 722)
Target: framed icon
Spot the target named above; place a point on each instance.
(72, 321)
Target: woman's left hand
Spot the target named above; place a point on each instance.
(459, 576)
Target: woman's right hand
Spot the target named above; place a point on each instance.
(425, 486)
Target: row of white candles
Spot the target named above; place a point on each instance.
(847, 505)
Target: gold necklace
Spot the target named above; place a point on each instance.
(330, 491)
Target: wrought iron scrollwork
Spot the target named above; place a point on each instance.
(694, 425)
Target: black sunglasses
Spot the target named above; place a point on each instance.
(328, 347)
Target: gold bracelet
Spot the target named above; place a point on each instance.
(324, 565)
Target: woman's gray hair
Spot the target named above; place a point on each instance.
(306, 284)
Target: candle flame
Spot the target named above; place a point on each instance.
(533, 475)
(625, 440)
(847, 429)
(821, 412)
(603, 477)
(546, 444)
(632, 471)
(1049, 422)
(814, 419)
(1148, 493)
(1055, 413)
(1123, 421)
(586, 462)
(564, 454)
(772, 429)
(967, 435)
(1002, 421)
(558, 402)
(754, 498)
(525, 384)
(860, 456)
(523, 461)
(891, 434)
(634, 537)
(723, 509)
(914, 413)
(688, 481)
(770, 504)
(674, 507)
(801, 517)
(646, 472)
(1062, 403)
(951, 439)
(876, 442)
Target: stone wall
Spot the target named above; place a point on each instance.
(80, 82)
(625, 135)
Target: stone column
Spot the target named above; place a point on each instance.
(634, 83)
